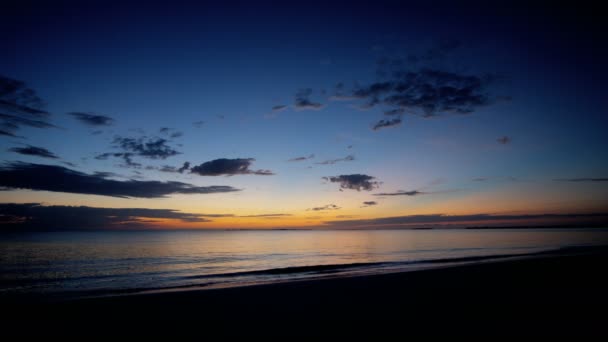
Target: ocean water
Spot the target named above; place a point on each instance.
(77, 264)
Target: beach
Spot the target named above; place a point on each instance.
(551, 295)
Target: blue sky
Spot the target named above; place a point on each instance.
(212, 74)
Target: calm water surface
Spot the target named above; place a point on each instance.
(94, 263)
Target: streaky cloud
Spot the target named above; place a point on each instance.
(92, 119)
(439, 220)
(386, 123)
(333, 161)
(18, 175)
(34, 151)
(39, 217)
(297, 159)
(267, 215)
(325, 208)
(581, 180)
(402, 193)
(20, 106)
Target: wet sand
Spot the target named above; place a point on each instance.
(542, 296)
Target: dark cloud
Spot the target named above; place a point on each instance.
(421, 89)
(386, 123)
(504, 140)
(438, 220)
(60, 179)
(581, 180)
(35, 216)
(355, 182)
(301, 158)
(152, 148)
(228, 167)
(333, 161)
(20, 106)
(198, 124)
(302, 100)
(92, 119)
(325, 208)
(480, 179)
(97, 132)
(369, 203)
(34, 151)
(402, 193)
(432, 92)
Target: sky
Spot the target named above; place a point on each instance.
(116, 115)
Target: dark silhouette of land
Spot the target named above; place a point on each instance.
(541, 296)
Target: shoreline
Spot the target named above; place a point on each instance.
(548, 295)
(295, 274)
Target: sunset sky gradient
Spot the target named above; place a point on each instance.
(331, 116)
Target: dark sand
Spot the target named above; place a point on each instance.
(544, 296)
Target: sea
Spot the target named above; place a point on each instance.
(66, 265)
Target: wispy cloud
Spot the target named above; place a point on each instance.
(297, 159)
(333, 161)
(171, 169)
(303, 101)
(275, 111)
(228, 167)
(170, 132)
(504, 140)
(20, 106)
(369, 204)
(92, 119)
(386, 123)
(325, 208)
(19, 175)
